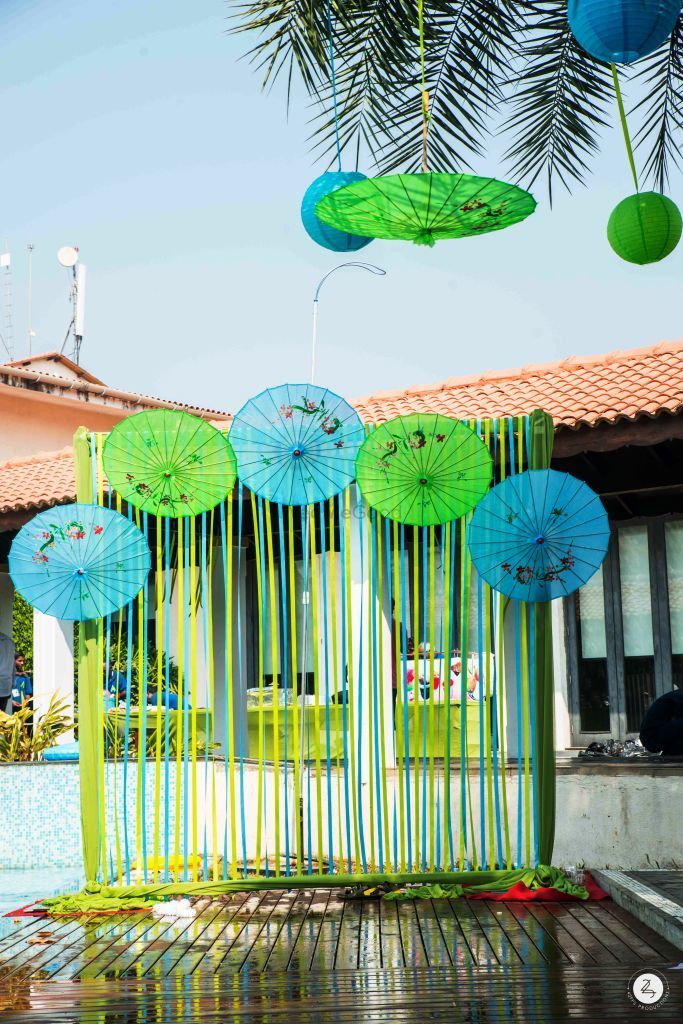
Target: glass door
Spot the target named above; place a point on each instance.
(625, 632)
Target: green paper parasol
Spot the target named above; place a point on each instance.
(169, 463)
(426, 207)
(423, 469)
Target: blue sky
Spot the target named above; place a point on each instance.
(133, 130)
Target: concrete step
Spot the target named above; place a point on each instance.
(647, 903)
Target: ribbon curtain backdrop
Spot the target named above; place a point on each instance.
(416, 738)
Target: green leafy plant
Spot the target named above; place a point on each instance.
(118, 660)
(24, 737)
(22, 629)
(492, 66)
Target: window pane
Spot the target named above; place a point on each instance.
(636, 615)
(592, 615)
(592, 643)
(674, 573)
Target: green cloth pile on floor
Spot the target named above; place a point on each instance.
(534, 878)
(96, 898)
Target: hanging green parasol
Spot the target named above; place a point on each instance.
(426, 207)
(423, 469)
(169, 463)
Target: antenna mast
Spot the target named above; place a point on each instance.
(68, 257)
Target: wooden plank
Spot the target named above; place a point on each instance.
(161, 952)
(99, 934)
(544, 940)
(31, 955)
(328, 935)
(212, 939)
(598, 926)
(21, 934)
(114, 961)
(283, 948)
(544, 994)
(512, 932)
(198, 940)
(370, 935)
(458, 951)
(473, 935)
(390, 929)
(231, 934)
(643, 940)
(549, 922)
(584, 938)
(504, 950)
(271, 932)
(237, 956)
(11, 926)
(307, 939)
(349, 937)
(432, 936)
(414, 952)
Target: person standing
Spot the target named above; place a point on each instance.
(6, 673)
(22, 691)
(661, 730)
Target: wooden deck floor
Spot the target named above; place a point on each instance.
(309, 955)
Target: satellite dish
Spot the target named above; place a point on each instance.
(68, 256)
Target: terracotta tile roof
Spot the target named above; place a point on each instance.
(576, 391)
(22, 374)
(37, 481)
(580, 390)
(59, 362)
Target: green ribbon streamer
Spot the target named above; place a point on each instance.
(624, 126)
(541, 446)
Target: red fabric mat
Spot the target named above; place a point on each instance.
(27, 911)
(521, 893)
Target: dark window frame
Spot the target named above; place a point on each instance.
(661, 630)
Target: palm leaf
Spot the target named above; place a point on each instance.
(558, 100)
(661, 109)
(489, 63)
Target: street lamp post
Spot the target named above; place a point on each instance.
(361, 266)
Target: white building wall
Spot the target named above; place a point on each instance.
(53, 665)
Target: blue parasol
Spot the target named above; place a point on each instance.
(296, 444)
(538, 535)
(79, 562)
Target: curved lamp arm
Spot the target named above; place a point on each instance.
(378, 271)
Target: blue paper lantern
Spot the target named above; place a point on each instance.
(323, 234)
(621, 31)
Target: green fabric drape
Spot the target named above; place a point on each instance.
(540, 453)
(89, 692)
(100, 898)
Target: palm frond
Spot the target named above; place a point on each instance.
(469, 47)
(488, 62)
(559, 99)
(661, 109)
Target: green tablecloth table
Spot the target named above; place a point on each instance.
(419, 723)
(116, 720)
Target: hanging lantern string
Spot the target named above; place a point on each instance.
(425, 94)
(334, 83)
(624, 126)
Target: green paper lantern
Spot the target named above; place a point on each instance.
(644, 228)
(424, 208)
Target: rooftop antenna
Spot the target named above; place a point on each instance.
(31, 333)
(67, 257)
(7, 335)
